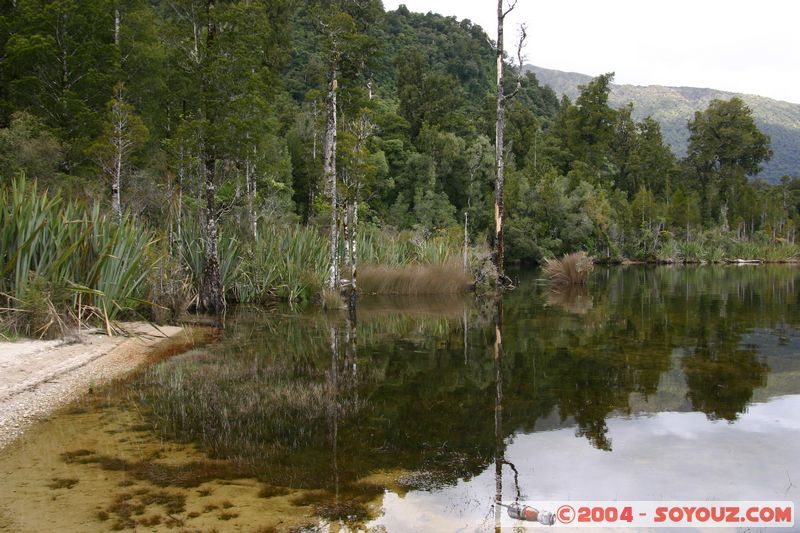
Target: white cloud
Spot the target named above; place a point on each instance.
(733, 45)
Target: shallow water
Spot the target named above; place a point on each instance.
(669, 383)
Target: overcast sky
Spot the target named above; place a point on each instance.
(735, 45)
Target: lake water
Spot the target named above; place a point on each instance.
(668, 383)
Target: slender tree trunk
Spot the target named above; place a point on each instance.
(499, 163)
(116, 27)
(211, 295)
(312, 178)
(118, 142)
(116, 204)
(351, 303)
(179, 215)
(211, 292)
(250, 176)
(466, 242)
(346, 218)
(329, 167)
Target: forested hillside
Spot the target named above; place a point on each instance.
(213, 124)
(673, 107)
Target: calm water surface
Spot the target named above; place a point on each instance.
(673, 383)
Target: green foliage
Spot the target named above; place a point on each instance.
(240, 89)
(725, 146)
(67, 257)
(673, 107)
(26, 146)
(192, 252)
(287, 262)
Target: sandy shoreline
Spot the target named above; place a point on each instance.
(38, 377)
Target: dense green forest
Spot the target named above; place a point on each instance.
(173, 109)
(673, 107)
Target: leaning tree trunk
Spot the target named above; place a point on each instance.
(329, 169)
(499, 163)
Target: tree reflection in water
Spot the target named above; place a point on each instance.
(417, 390)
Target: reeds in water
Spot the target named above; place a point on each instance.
(447, 278)
(572, 269)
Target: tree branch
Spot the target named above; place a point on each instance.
(523, 34)
(511, 6)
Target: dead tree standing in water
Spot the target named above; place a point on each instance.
(502, 98)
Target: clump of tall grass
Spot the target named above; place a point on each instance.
(410, 263)
(572, 269)
(287, 262)
(447, 278)
(380, 246)
(62, 261)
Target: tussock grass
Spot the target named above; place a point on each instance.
(448, 278)
(572, 269)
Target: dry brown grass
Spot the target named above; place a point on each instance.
(448, 278)
(572, 269)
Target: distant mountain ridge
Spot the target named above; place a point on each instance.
(673, 107)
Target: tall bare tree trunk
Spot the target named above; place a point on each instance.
(117, 174)
(329, 169)
(312, 178)
(351, 303)
(250, 177)
(116, 27)
(179, 201)
(499, 155)
(211, 292)
(116, 204)
(346, 220)
(499, 161)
